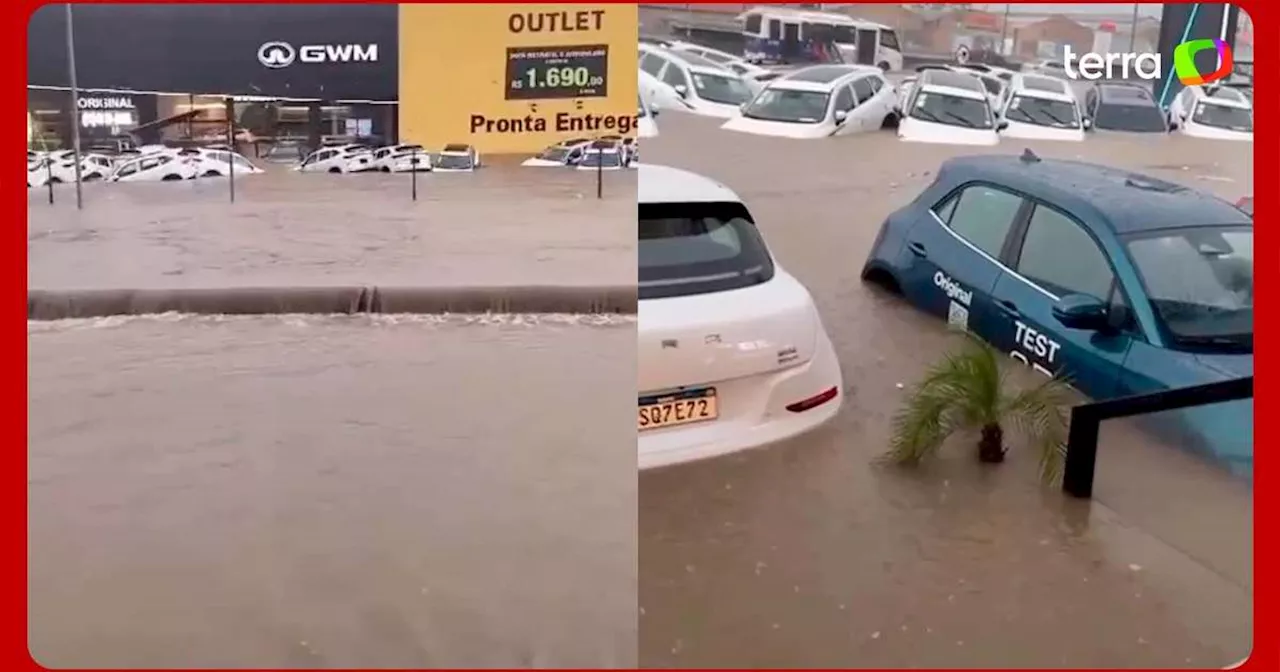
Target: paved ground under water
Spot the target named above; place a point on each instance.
(809, 554)
(497, 226)
(315, 492)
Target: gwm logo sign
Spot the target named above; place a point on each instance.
(277, 55)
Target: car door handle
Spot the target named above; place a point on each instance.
(1009, 308)
(917, 249)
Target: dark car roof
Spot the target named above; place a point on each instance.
(1105, 198)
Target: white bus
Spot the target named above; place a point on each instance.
(784, 35)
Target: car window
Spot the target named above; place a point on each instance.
(737, 67)
(128, 169)
(889, 39)
(876, 84)
(697, 248)
(652, 63)
(241, 161)
(775, 29)
(675, 76)
(983, 216)
(1062, 258)
(752, 24)
(862, 90)
(844, 99)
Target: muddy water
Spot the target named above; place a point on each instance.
(809, 554)
(332, 492)
(318, 229)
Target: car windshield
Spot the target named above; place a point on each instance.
(1200, 283)
(1222, 116)
(1042, 112)
(1132, 118)
(799, 107)
(554, 153)
(697, 248)
(454, 162)
(605, 159)
(726, 88)
(942, 108)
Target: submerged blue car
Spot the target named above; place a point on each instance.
(1123, 283)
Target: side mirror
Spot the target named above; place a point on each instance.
(654, 109)
(1001, 125)
(681, 90)
(1077, 311)
(841, 116)
(1087, 123)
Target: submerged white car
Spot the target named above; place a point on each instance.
(164, 166)
(456, 158)
(563, 153)
(732, 352)
(948, 108)
(340, 159)
(1040, 108)
(399, 158)
(820, 101)
(605, 155)
(683, 81)
(1216, 113)
(215, 162)
(59, 167)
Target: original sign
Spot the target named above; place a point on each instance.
(106, 103)
(557, 72)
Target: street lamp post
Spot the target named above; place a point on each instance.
(75, 103)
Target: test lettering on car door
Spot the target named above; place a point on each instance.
(1038, 345)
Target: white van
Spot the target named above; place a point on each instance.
(683, 81)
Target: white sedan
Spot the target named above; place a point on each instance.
(341, 159)
(456, 158)
(156, 167)
(60, 167)
(732, 352)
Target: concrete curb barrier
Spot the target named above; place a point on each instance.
(63, 304)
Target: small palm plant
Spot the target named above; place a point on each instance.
(968, 391)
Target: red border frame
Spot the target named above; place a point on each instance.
(15, 653)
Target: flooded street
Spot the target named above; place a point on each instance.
(319, 492)
(809, 554)
(497, 226)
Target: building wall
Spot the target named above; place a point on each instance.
(454, 75)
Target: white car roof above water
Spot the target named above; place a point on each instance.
(821, 78)
(664, 184)
(691, 62)
(1044, 88)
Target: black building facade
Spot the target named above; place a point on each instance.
(338, 63)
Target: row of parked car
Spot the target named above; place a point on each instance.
(160, 163)
(971, 104)
(607, 153)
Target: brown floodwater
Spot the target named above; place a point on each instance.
(811, 554)
(332, 492)
(497, 226)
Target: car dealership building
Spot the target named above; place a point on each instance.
(507, 78)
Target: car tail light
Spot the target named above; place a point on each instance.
(814, 401)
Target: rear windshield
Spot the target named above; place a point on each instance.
(698, 248)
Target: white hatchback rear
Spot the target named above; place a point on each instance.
(732, 351)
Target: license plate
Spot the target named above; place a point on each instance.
(678, 408)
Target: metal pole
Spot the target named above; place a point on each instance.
(1004, 31)
(48, 174)
(75, 103)
(230, 112)
(413, 172)
(600, 174)
(1133, 29)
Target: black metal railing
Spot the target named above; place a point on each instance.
(1086, 420)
